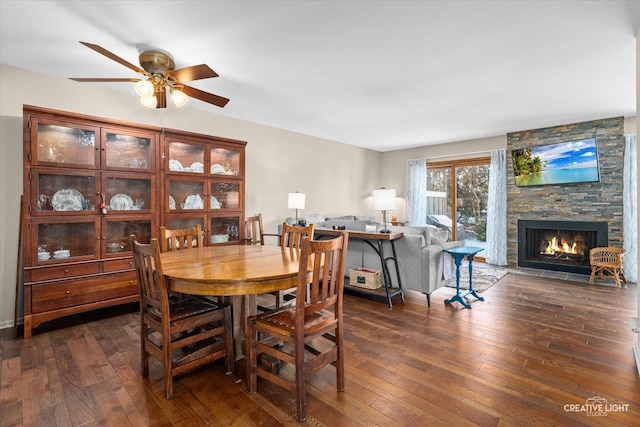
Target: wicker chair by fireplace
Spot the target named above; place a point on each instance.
(607, 260)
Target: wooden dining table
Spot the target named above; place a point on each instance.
(237, 273)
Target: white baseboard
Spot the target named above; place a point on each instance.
(636, 351)
(6, 324)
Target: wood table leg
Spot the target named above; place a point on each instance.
(242, 306)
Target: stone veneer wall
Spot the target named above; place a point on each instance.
(596, 201)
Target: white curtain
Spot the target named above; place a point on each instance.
(416, 192)
(630, 207)
(496, 249)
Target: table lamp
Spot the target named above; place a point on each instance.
(383, 200)
(296, 201)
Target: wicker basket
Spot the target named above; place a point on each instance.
(365, 278)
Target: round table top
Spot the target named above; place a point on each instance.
(231, 269)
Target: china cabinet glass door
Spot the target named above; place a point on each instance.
(225, 195)
(66, 240)
(127, 150)
(186, 195)
(116, 238)
(225, 162)
(129, 193)
(64, 145)
(64, 192)
(186, 157)
(225, 229)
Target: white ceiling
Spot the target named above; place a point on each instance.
(378, 74)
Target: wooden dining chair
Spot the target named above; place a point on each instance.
(308, 335)
(185, 238)
(253, 231)
(291, 237)
(182, 334)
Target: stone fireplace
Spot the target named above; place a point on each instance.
(568, 208)
(559, 245)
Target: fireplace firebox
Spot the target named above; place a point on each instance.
(559, 245)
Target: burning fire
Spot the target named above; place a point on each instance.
(553, 247)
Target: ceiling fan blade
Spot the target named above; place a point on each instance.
(161, 97)
(205, 96)
(195, 72)
(80, 79)
(114, 57)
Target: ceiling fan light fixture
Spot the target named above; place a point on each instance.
(178, 97)
(144, 88)
(149, 101)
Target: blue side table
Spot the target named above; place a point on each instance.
(458, 253)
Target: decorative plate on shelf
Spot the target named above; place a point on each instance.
(121, 202)
(175, 165)
(172, 203)
(196, 167)
(67, 199)
(214, 204)
(218, 169)
(194, 201)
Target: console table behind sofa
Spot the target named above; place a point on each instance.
(420, 253)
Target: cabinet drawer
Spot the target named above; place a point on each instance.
(119, 265)
(62, 271)
(73, 292)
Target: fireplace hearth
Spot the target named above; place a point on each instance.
(559, 245)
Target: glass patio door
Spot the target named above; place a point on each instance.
(459, 190)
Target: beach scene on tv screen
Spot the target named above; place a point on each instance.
(565, 162)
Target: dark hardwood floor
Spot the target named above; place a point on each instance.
(534, 353)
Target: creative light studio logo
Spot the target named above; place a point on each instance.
(596, 407)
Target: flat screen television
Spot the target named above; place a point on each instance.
(566, 162)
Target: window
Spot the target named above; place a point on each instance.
(460, 190)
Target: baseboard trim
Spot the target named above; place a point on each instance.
(6, 324)
(636, 352)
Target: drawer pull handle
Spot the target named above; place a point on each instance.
(68, 292)
(66, 271)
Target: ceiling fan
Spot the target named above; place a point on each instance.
(159, 71)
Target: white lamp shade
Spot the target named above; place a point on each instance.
(144, 88)
(296, 201)
(149, 101)
(384, 199)
(179, 98)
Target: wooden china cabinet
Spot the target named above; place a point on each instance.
(89, 183)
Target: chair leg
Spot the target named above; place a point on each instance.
(252, 358)
(228, 340)
(428, 300)
(593, 273)
(301, 391)
(167, 373)
(616, 277)
(340, 359)
(144, 356)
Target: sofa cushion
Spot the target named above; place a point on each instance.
(365, 218)
(342, 218)
(440, 237)
(313, 218)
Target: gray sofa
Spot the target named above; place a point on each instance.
(421, 259)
